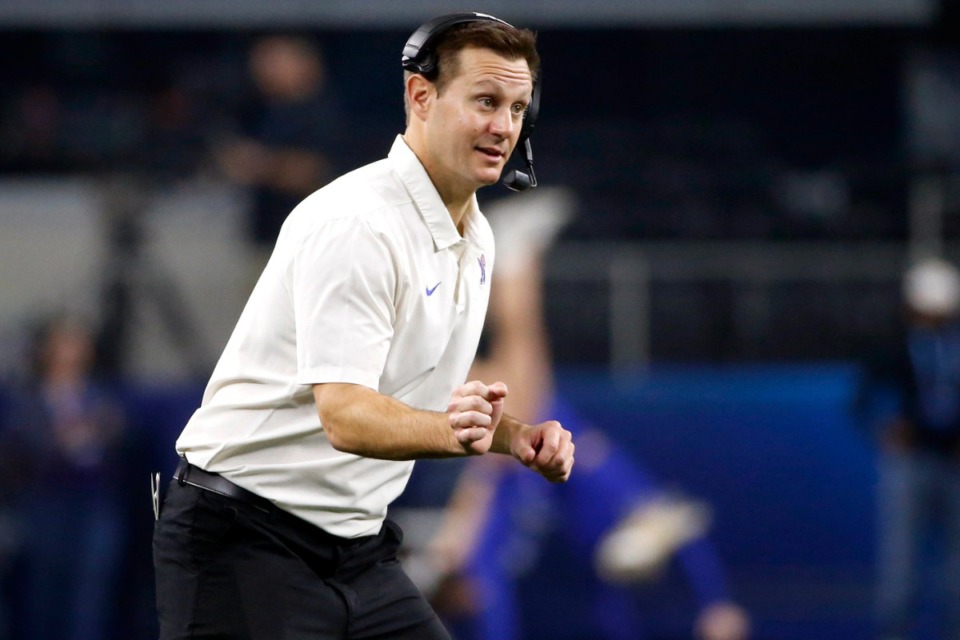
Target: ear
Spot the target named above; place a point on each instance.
(420, 94)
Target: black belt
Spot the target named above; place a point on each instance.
(187, 473)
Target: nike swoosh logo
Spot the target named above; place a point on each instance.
(430, 290)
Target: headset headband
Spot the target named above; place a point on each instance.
(417, 54)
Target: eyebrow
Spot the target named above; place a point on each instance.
(496, 87)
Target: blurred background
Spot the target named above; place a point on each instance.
(753, 179)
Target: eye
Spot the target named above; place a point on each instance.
(486, 102)
(518, 109)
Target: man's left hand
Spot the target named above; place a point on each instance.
(547, 448)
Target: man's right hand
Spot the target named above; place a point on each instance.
(474, 413)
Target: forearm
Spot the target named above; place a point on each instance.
(361, 421)
(296, 171)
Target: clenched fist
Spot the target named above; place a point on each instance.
(475, 410)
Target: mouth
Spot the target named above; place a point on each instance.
(492, 153)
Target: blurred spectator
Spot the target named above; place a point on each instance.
(174, 143)
(286, 150)
(619, 521)
(919, 490)
(62, 457)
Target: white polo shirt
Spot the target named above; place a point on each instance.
(370, 283)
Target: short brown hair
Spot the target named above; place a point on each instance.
(507, 41)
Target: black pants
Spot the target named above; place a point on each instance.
(229, 570)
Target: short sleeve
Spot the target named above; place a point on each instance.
(344, 284)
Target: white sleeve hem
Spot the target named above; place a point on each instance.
(320, 375)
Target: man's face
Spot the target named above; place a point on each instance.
(476, 121)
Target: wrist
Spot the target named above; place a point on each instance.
(505, 435)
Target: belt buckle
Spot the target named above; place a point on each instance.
(183, 469)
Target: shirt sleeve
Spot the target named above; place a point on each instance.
(344, 285)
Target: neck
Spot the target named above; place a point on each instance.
(457, 201)
(458, 212)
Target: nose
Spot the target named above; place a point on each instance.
(502, 123)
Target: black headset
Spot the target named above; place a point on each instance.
(419, 57)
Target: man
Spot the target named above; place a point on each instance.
(283, 152)
(344, 368)
(919, 463)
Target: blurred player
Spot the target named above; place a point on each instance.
(614, 512)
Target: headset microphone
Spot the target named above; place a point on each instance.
(419, 57)
(522, 180)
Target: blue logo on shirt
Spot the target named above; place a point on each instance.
(430, 290)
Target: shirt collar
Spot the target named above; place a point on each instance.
(427, 201)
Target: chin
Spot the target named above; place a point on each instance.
(487, 178)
